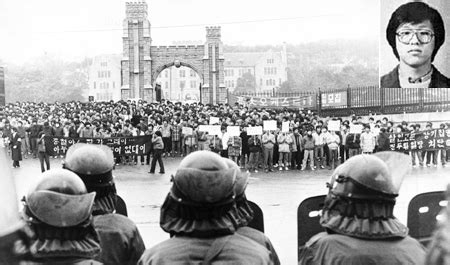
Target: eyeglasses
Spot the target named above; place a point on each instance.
(424, 36)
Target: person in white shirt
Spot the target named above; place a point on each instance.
(333, 142)
(367, 141)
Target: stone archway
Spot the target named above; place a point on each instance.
(142, 62)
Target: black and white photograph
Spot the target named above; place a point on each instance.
(224, 132)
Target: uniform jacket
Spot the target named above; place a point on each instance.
(238, 249)
(437, 79)
(120, 239)
(336, 249)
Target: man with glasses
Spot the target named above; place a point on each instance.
(415, 32)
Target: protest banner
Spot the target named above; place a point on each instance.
(233, 130)
(257, 130)
(270, 125)
(302, 102)
(334, 126)
(203, 128)
(214, 130)
(139, 145)
(421, 141)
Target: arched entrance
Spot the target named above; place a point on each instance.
(179, 84)
(142, 63)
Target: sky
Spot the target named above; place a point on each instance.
(75, 29)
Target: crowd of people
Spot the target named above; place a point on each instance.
(306, 144)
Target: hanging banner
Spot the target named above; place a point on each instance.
(420, 141)
(139, 145)
(334, 99)
(308, 101)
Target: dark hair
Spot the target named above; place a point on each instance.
(416, 12)
(158, 133)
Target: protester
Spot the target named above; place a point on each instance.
(42, 152)
(158, 150)
(16, 149)
(121, 242)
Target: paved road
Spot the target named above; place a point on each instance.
(278, 194)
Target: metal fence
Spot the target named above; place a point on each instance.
(366, 100)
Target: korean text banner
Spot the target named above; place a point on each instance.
(420, 141)
(139, 145)
(274, 102)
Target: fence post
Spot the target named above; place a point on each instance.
(349, 99)
(421, 107)
(319, 102)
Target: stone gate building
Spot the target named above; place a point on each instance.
(142, 62)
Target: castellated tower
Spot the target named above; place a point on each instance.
(136, 61)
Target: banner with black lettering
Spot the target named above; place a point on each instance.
(139, 145)
(420, 141)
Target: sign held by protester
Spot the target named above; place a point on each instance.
(285, 126)
(256, 130)
(214, 120)
(139, 145)
(270, 125)
(334, 126)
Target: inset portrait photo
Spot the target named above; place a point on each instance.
(415, 44)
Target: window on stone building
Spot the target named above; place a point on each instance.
(114, 84)
(182, 73)
(166, 84)
(95, 85)
(182, 84)
(192, 73)
(109, 74)
(193, 84)
(166, 73)
(232, 83)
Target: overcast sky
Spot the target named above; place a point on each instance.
(73, 29)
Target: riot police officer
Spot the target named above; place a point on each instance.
(58, 209)
(358, 216)
(201, 215)
(120, 239)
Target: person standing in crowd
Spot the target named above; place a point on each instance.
(21, 130)
(333, 146)
(283, 149)
(296, 149)
(343, 148)
(318, 148)
(176, 138)
(58, 209)
(268, 141)
(383, 140)
(429, 154)
(324, 138)
(190, 141)
(120, 240)
(234, 148)
(166, 132)
(42, 152)
(225, 137)
(254, 147)
(309, 145)
(149, 132)
(202, 139)
(158, 150)
(85, 130)
(416, 153)
(353, 142)
(358, 216)
(245, 152)
(16, 148)
(34, 132)
(367, 141)
(204, 235)
(441, 154)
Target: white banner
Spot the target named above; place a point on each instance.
(257, 130)
(233, 130)
(214, 120)
(334, 126)
(356, 128)
(270, 125)
(285, 126)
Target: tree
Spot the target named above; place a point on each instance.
(245, 83)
